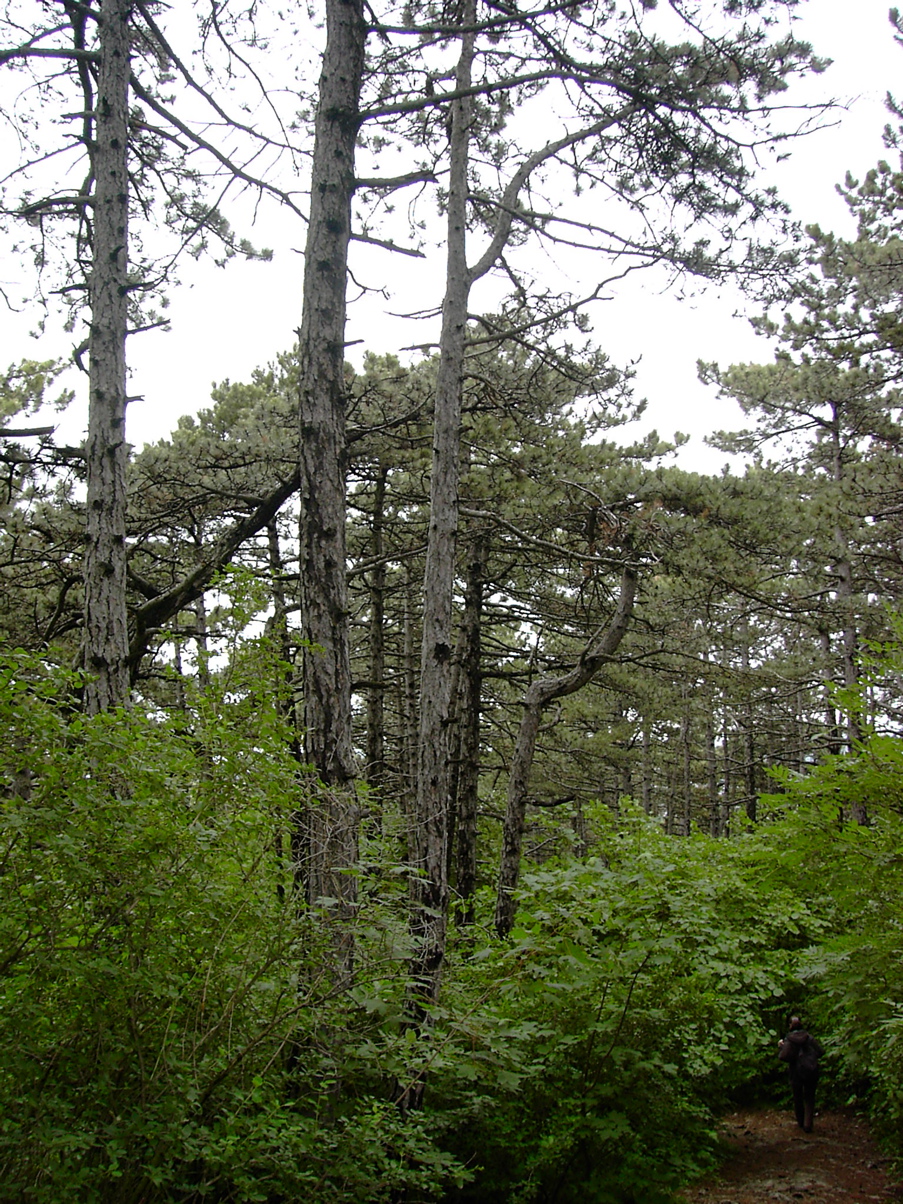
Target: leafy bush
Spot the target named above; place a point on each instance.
(640, 989)
(169, 1028)
(855, 975)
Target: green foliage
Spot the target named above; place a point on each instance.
(857, 971)
(23, 388)
(641, 990)
(164, 999)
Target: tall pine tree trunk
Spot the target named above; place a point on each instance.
(430, 822)
(106, 619)
(329, 841)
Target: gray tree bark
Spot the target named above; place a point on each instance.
(329, 843)
(106, 621)
(429, 833)
(429, 827)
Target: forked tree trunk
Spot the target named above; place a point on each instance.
(538, 696)
(429, 827)
(106, 620)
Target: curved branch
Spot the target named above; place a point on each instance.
(159, 609)
(539, 694)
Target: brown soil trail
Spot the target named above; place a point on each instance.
(774, 1162)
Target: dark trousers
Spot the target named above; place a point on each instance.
(804, 1099)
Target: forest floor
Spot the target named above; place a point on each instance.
(774, 1161)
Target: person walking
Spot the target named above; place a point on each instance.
(800, 1050)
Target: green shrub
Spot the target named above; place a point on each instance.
(169, 1028)
(638, 993)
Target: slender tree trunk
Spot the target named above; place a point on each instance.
(578, 825)
(201, 643)
(538, 696)
(844, 587)
(686, 748)
(849, 640)
(408, 706)
(285, 690)
(647, 767)
(429, 850)
(471, 679)
(454, 754)
(834, 742)
(279, 625)
(376, 726)
(178, 669)
(279, 621)
(332, 816)
(711, 761)
(728, 775)
(106, 619)
(749, 740)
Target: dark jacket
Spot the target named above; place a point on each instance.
(801, 1052)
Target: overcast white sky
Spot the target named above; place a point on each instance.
(226, 322)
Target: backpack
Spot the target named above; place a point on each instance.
(807, 1060)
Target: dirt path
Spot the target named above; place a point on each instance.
(774, 1161)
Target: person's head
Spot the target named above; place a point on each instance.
(795, 1022)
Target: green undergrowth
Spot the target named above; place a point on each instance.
(641, 989)
(172, 1026)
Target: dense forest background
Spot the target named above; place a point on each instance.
(411, 790)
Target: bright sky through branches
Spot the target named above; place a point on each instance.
(226, 322)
